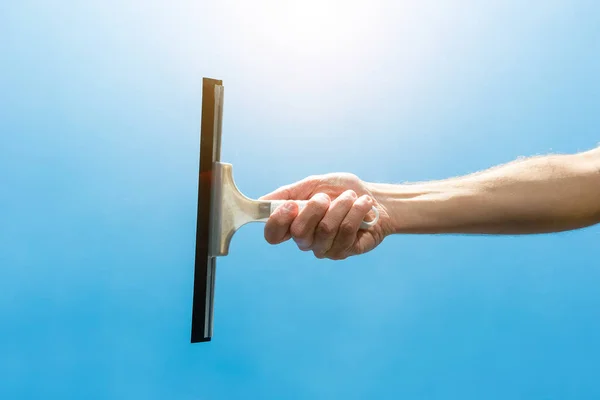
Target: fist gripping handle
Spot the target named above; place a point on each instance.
(302, 203)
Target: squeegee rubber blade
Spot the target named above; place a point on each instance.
(204, 269)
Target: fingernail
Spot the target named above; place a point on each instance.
(302, 245)
(289, 206)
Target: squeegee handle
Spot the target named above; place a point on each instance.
(302, 203)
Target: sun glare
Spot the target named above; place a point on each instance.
(313, 27)
(305, 35)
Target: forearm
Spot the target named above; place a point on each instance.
(536, 195)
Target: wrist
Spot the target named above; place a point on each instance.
(424, 208)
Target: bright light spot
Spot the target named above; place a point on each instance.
(314, 27)
(304, 39)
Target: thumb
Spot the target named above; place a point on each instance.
(300, 190)
(283, 193)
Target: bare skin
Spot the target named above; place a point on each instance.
(537, 195)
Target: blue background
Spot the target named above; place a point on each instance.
(99, 137)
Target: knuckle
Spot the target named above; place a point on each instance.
(349, 176)
(286, 192)
(346, 229)
(299, 231)
(318, 254)
(336, 254)
(325, 229)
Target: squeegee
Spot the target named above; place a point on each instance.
(222, 210)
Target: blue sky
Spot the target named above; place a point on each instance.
(99, 123)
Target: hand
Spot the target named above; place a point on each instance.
(329, 224)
